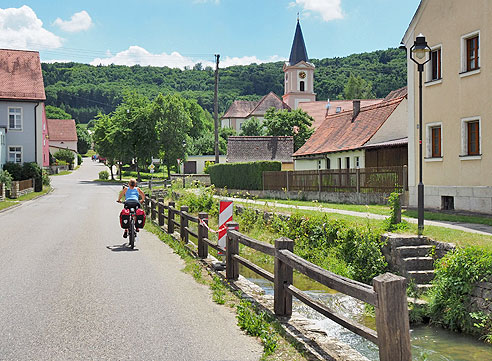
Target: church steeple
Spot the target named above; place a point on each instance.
(298, 52)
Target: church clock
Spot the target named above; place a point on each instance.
(302, 75)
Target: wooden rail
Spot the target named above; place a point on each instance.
(387, 295)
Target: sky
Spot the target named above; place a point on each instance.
(179, 33)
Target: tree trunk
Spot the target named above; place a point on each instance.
(111, 170)
(120, 166)
(168, 170)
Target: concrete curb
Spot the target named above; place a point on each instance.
(13, 206)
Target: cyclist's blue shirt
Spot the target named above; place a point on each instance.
(131, 194)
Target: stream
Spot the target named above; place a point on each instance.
(428, 343)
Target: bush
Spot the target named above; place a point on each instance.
(32, 170)
(104, 174)
(65, 155)
(46, 178)
(5, 178)
(79, 159)
(241, 175)
(14, 169)
(455, 278)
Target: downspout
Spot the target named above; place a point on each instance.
(35, 134)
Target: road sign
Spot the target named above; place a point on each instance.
(151, 167)
(225, 215)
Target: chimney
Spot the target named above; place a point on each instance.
(356, 109)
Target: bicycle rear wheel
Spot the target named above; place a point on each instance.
(131, 233)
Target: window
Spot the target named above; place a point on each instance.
(473, 144)
(301, 85)
(339, 163)
(436, 142)
(357, 162)
(15, 118)
(471, 138)
(347, 162)
(339, 109)
(472, 53)
(435, 64)
(319, 163)
(15, 154)
(328, 163)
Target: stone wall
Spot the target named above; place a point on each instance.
(190, 178)
(15, 191)
(481, 297)
(331, 197)
(2, 192)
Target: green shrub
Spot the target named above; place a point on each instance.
(32, 170)
(46, 178)
(5, 178)
(79, 159)
(65, 155)
(241, 175)
(104, 174)
(14, 169)
(455, 277)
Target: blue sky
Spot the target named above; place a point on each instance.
(178, 33)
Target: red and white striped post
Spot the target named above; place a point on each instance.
(225, 216)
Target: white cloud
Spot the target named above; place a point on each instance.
(21, 29)
(138, 55)
(328, 9)
(78, 22)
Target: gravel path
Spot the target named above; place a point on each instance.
(71, 290)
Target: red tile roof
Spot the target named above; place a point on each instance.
(21, 77)
(271, 100)
(240, 109)
(317, 109)
(398, 93)
(62, 130)
(339, 132)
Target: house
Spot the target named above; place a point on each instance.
(22, 99)
(251, 149)
(457, 158)
(369, 136)
(195, 164)
(242, 110)
(62, 134)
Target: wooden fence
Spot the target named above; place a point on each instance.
(387, 295)
(365, 180)
(26, 184)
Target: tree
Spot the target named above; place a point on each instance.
(104, 140)
(53, 112)
(84, 141)
(358, 88)
(252, 127)
(173, 122)
(296, 123)
(65, 155)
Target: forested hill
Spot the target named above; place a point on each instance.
(84, 90)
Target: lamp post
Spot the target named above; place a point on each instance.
(418, 54)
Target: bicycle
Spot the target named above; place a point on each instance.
(132, 233)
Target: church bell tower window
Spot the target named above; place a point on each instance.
(301, 85)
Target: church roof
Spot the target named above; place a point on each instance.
(240, 109)
(271, 100)
(298, 52)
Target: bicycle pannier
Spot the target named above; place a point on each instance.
(140, 223)
(125, 218)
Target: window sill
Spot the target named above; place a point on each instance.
(433, 82)
(433, 159)
(471, 157)
(468, 73)
(14, 129)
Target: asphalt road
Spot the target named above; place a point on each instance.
(69, 290)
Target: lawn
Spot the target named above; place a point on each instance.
(12, 202)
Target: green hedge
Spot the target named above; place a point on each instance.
(241, 175)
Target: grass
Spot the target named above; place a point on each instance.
(385, 210)
(63, 172)
(12, 202)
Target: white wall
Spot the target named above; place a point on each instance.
(312, 164)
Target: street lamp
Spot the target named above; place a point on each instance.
(418, 54)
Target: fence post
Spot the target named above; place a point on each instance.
(182, 224)
(405, 178)
(287, 180)
(202, 233)
(232, 248)
(152, 207)
(160, 212)
(170, 217)
(319, 184)
(357, 178)
(284, 276)
(392, 318)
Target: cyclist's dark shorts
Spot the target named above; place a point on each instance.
(132, 204)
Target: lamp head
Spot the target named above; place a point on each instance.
(419, 50)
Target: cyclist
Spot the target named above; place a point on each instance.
(131, 194)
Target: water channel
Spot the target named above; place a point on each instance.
(428, 343)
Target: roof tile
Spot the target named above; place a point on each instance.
(62, 130)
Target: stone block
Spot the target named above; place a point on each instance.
(462, 203)
(483, 205)
(482, 192)
(432, 202)
(464, 191)
(431, 191)
(447, 191)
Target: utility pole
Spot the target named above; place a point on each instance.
(216, 108)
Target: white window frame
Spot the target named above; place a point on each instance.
(464, 54)
(21, 119)
(21, 152)
(429, 80)
(428, 140)
(357, 162)
(464, 138)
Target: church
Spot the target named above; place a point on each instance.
(298, 93)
